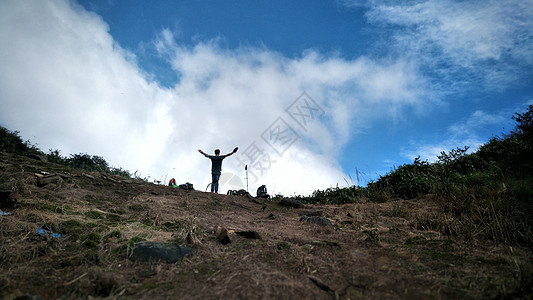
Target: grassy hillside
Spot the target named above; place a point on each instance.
(487, 194)
(459, 228)
(398, 249)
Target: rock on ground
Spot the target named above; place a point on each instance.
(153, 251)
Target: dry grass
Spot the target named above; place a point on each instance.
(396, 249)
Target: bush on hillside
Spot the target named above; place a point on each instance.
(334, 195)
(11, 142)
(87, 162)
(488, 193)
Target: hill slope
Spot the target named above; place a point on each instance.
(372, 251)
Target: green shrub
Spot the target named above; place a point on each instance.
(54, 156)
(334, 196)
(11, 142)
(408, 181)
(87, 162)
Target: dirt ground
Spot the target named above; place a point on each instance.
(372, 251)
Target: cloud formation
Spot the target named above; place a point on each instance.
(483, 42)
(460, 134)
(68, 85)
(243, 92)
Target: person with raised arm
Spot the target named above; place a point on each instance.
(216, 166)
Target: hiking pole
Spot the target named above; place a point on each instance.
(246, 168)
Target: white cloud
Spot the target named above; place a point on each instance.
(489, 42)
(431, 151)
(477, 119)
(67, 85)
(459, 134)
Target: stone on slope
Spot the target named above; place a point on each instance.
(287, 202)
(154, 251)
(322, 221)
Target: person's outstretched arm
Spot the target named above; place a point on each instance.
(200, 150)
(234, 151)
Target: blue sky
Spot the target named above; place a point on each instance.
(377, 83)
(288, 27)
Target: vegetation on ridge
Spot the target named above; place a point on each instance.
(486, 193)
(11, 142)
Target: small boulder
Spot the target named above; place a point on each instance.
(322, 221)
(222, 235)
(287, 202)
(153, 251)
(49, 179)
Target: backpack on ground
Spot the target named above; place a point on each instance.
(262, 192)
(240, 192)
(186, 186)
(172, 182)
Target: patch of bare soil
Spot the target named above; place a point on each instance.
(372, 251)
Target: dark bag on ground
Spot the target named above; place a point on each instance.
(262, 192)
(240, 192)
(186, 186)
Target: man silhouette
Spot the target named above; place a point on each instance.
(216, 166)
